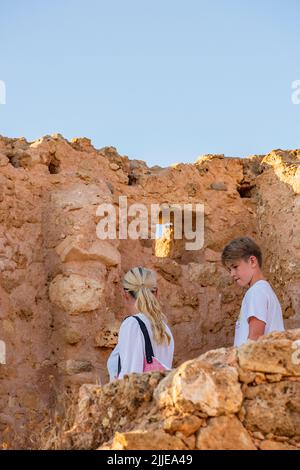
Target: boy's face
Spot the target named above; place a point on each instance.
(242, 270)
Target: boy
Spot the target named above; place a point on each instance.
(260, 311)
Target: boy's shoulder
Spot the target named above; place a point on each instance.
(262, 287)
(262, 284)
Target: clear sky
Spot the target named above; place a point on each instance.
(162, 80)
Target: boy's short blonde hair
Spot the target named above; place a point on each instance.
(241, 248)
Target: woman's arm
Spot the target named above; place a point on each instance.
(112, 364)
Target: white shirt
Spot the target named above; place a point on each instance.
(260, 301)
(131, 348)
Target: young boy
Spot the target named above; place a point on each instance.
(260, 311)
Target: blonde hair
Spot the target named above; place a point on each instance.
(141, 284)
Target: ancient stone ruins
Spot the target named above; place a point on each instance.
(61, 303)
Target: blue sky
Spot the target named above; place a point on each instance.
(162, 80)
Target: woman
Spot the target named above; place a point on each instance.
(140, 290)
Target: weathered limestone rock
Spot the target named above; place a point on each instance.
(23, 299)
(71, 249)
(273, 408)
(218, 186)
(127, 414)
(278, 353)
(187, 425)
(224, 433)
(200, 386)
(72, 366)
(168, 268)
(80, 195)
(104, 410)
(208, 274)
(3, 160)
(72, 336)
(107, 337)
(146, 440)
(274, 445)
(75, 294)
(286, 166)
(203, 274)
(114, 166)
(220, 357)
(52, 265)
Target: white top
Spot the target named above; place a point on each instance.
(260, 301)
(131, 348)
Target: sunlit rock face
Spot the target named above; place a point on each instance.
(61, 301)
(225, 399)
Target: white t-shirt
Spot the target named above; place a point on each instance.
(260, 301)
(131, 348)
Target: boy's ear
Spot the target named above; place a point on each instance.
(253, 261)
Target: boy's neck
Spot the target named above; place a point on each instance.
(257, 276)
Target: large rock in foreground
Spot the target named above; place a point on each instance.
(221, 400)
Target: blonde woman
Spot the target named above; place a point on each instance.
(145, 328)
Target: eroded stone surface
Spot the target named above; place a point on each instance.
(211, 409)
(60, 296)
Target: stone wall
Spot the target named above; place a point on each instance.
(60, 296)
(225, 399)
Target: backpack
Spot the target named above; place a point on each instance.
(151, 364)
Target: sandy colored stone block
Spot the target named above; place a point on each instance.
(71, 336)
(198, 385)
(224, 433)
(146, 440)
(107, 337)
(72, 366)
(186, 425)
(3, 160)
(75, 294)
(277, 353)
(273, 408)
(274, 445)
(72, 249)
(79, 195)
